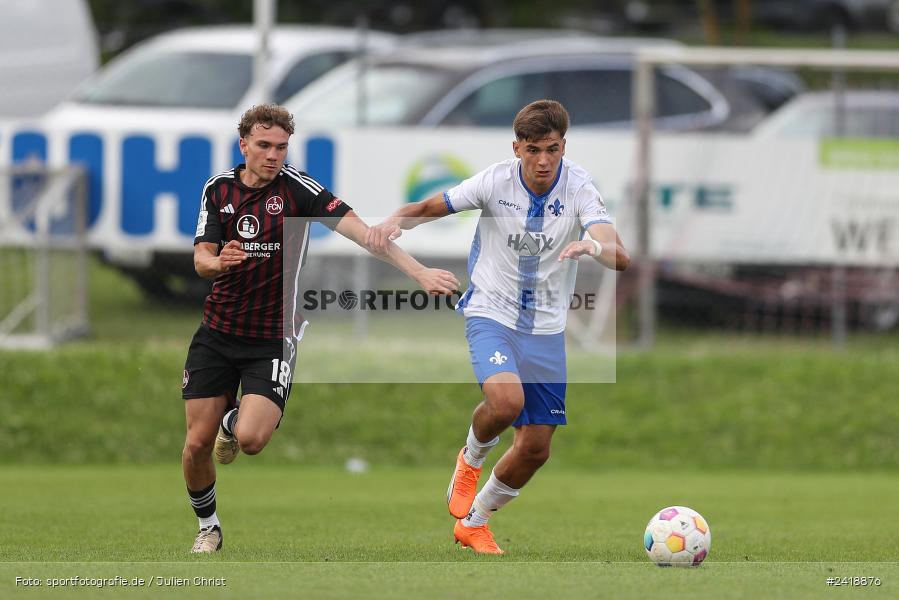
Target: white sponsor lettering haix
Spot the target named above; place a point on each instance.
(498, 358)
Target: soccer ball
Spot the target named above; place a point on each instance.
(677, 536)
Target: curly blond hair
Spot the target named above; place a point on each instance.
(266, 115)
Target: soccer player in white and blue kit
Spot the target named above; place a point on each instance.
(535, 210)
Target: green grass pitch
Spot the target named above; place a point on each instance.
(326, 533)
(788, 448)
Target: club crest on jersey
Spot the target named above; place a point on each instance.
(556, 208)
(248, 227)
(274, 205)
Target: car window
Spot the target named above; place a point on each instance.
(307, 70)
(390, 94)
(858, 122)
(591, 96)
(173, 79)
(674, 98)
(878, 122)
(496, 103)
(805, 124)
(594, 96)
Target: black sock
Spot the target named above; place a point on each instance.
(203, 501)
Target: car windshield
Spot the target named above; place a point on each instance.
(386, 95)
(173, 79)
(858, 121)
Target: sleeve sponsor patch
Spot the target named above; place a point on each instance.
(201, 224)
(333, 204)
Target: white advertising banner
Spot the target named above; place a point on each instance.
(715, 198)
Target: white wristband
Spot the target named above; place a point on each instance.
(598, 248)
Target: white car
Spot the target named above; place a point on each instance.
(446, 79)
(47, 48)
(455, 83)
(203, 76)
(866, 114)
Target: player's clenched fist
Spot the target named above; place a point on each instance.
(231, 255)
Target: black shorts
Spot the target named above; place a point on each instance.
(218, 362)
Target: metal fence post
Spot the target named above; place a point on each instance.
(643, 109)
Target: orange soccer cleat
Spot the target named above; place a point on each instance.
(480, 539)
(462, 487)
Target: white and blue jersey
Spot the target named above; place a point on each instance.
(515, 277)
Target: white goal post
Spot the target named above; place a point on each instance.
(651, 58)
(43, 256)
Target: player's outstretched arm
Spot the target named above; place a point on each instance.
(407, 217)
(609, 252)
(434, 281)
(210, 263)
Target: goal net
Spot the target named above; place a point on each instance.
(781, 213)
(43, 256)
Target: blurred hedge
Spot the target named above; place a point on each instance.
(790, 408)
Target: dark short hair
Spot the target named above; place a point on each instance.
(267, 115)
(538, 119)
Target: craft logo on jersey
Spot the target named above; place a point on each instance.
(248, 227)
(556, 208)
(530, 244)
(274, 205)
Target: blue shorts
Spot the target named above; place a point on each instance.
(538, 360)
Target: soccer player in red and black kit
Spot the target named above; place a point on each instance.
(244, 340)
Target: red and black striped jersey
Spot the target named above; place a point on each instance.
(249, 300)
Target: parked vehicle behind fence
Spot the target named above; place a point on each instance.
(855, 114)
(451, 83)
(207, 72)
(47, 48)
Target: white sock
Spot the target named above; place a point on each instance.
(209, 521)
(229, 420)
(475, 450)
(493, 496)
